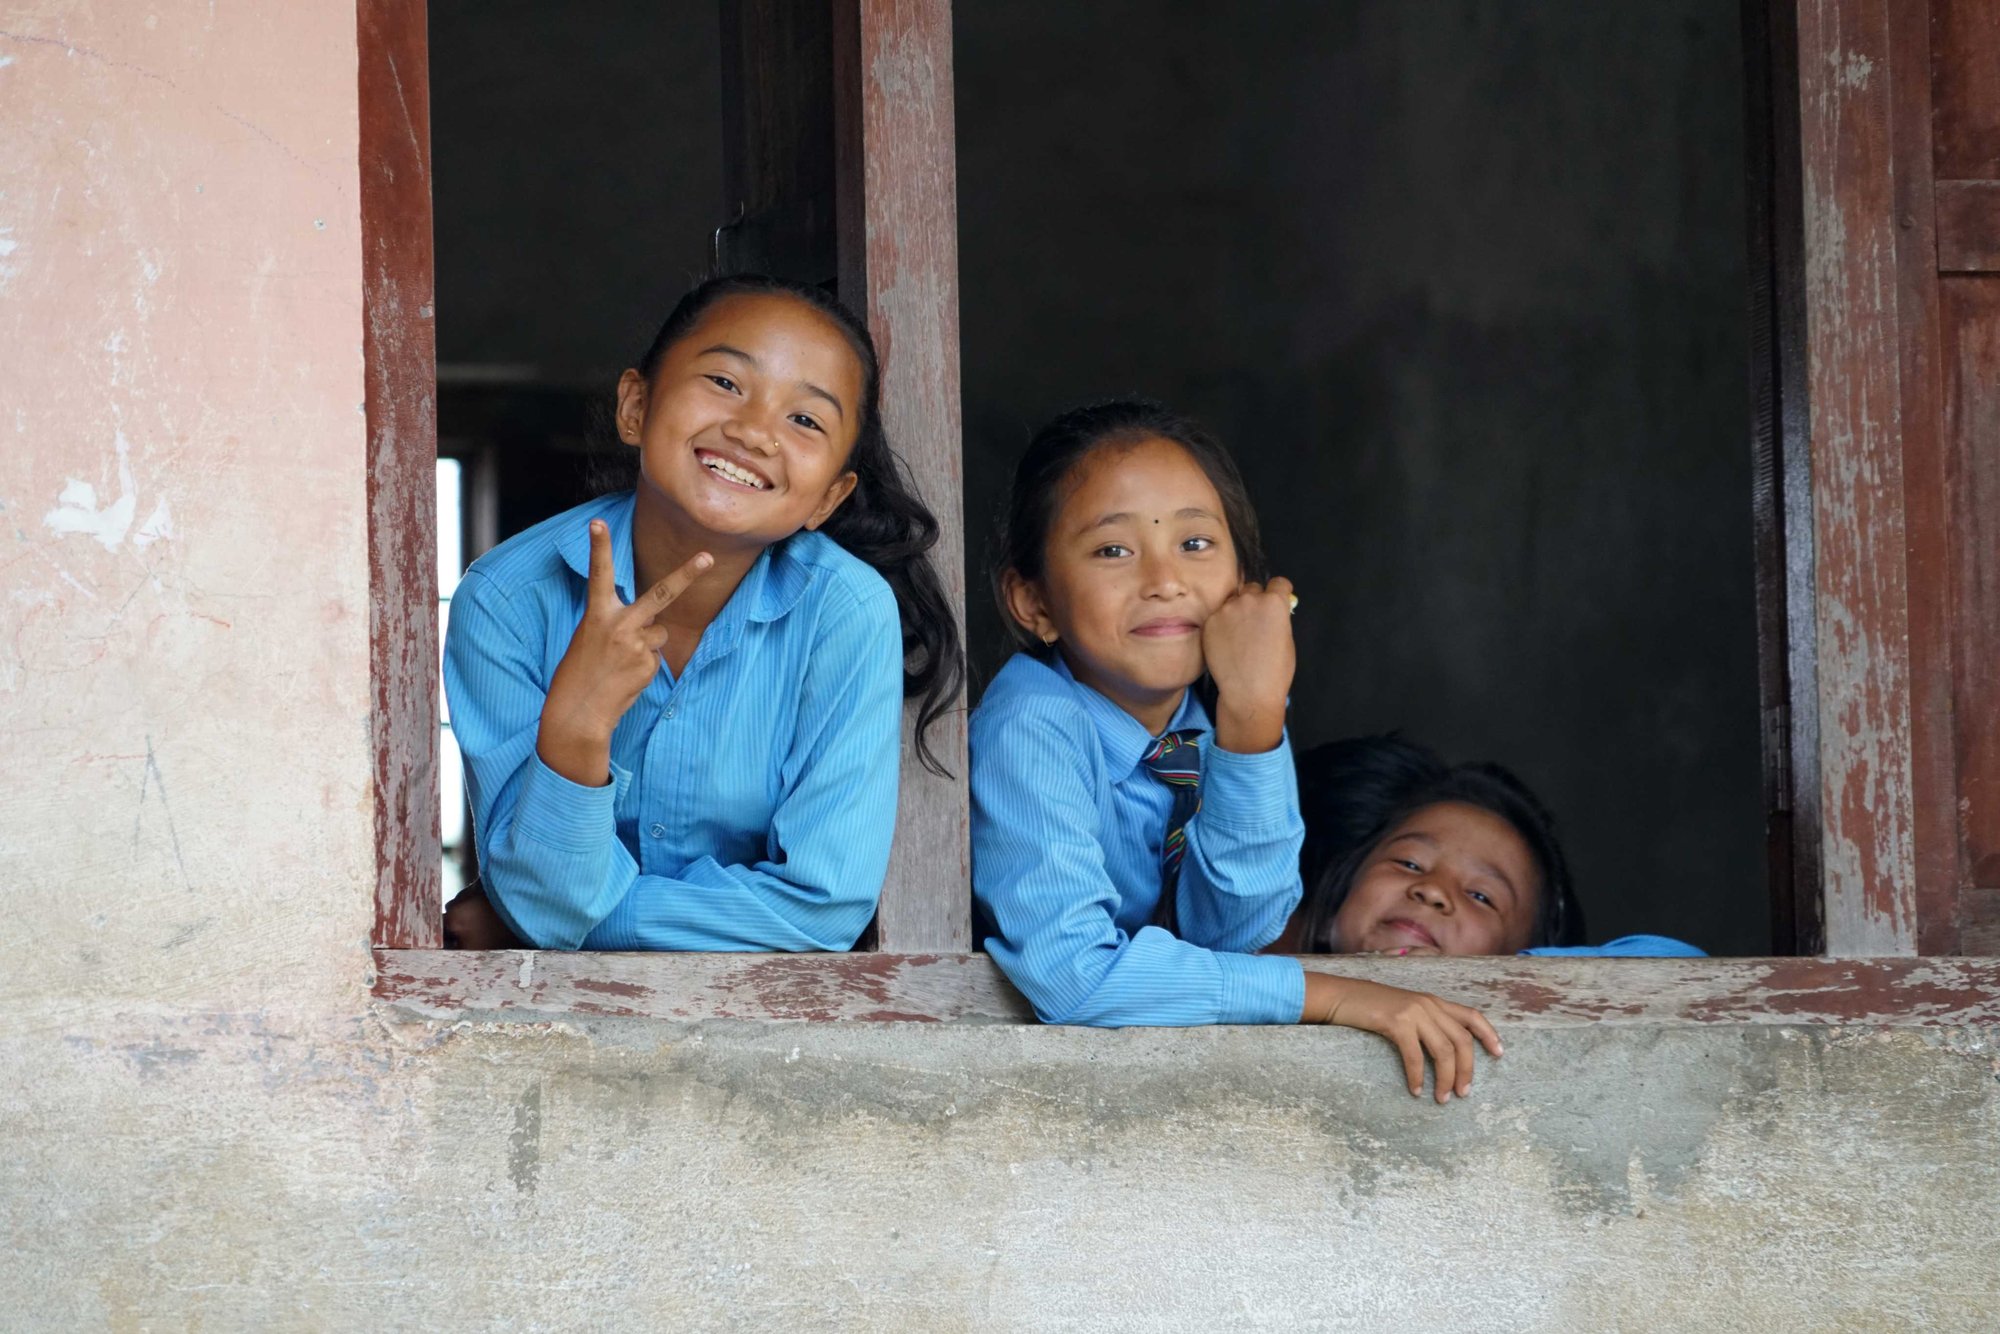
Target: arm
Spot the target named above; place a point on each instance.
(828, 849)
(1240, 880)
(1039, 872)
(551, 857)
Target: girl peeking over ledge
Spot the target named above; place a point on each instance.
(681, 705)
(1134, 844)
(1405, 854)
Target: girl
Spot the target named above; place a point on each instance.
(1109, 801)
(1406, 855)
(679, 704)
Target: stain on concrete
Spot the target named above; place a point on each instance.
(524, 1146)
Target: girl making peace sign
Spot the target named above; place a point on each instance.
(680, 705)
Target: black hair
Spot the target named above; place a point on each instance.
(883, 521)
(1051, 459)
(1353, 792)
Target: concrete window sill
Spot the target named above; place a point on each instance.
(533, 985)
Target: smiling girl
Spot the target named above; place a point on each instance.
(680, 705)
(1132, 845)
(1405, 854)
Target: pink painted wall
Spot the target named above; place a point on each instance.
(183, 669)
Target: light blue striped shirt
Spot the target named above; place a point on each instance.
(751, 802)
(1067, 824)
(1625, 947)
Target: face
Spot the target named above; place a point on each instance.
(1138, 556)
(1451, 879)
(745, 430)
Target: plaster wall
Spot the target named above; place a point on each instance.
(208, 1123)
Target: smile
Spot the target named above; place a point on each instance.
(1166, 627)
(1412, 930)
(732, 472)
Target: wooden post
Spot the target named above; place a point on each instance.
(1859, 411)
(1965, 109)
(898, 262)
(399, 352)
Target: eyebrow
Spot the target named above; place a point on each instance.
(812, 390)
(1127, 516)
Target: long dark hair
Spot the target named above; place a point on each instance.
(1353, 792)
(883, 522)
(1052, 455)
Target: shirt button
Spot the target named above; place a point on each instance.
(658, 831)
(670, 711)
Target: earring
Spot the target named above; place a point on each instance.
(1049, 639)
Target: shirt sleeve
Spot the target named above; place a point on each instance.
(549, 850)
(1625, 947)
(1239, 881)
(1039, 873)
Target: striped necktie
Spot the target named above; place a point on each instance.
(1175, 760)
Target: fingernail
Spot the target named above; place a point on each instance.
(597, 525)
(703, 561)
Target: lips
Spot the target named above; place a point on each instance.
(1166, 627)
(1405, 927)
(736, 472)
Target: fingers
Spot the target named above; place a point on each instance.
(662, 594)
(1444, 1061)
(1279, 587)
(603, 572)
(1481, 1029)
(1412, 1052)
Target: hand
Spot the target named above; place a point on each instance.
(612, 658)
(1417, 1023)
(1247, 645)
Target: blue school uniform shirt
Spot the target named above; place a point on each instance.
(752, 800)
(1067, 824)
(1625, 947)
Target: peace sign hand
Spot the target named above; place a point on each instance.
(612, 658)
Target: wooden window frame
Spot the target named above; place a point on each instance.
(1845, 380)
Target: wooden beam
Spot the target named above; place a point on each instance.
(1858, 419)
(527, 986)
(399, 356)
(898, 262)
(777, 140)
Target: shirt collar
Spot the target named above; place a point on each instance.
(1123, 738)
(771, 587)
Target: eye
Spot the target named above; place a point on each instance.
(799, 419)
(1409, 865)
(722, 381)
(1112, 551)
(1198, 544)
(1479, 896)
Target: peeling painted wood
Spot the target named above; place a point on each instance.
(896, 202)
(1970, 321)
(968, 988)
(400, 357)
(1857, 414)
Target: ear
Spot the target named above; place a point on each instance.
(631, 415)
(842, 488)
(1028, 607)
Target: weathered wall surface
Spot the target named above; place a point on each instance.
(209, 1124)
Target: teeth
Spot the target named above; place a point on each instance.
(734, 473)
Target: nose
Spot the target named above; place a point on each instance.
(1162, 575)
(748, 429)
(1433, 896)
